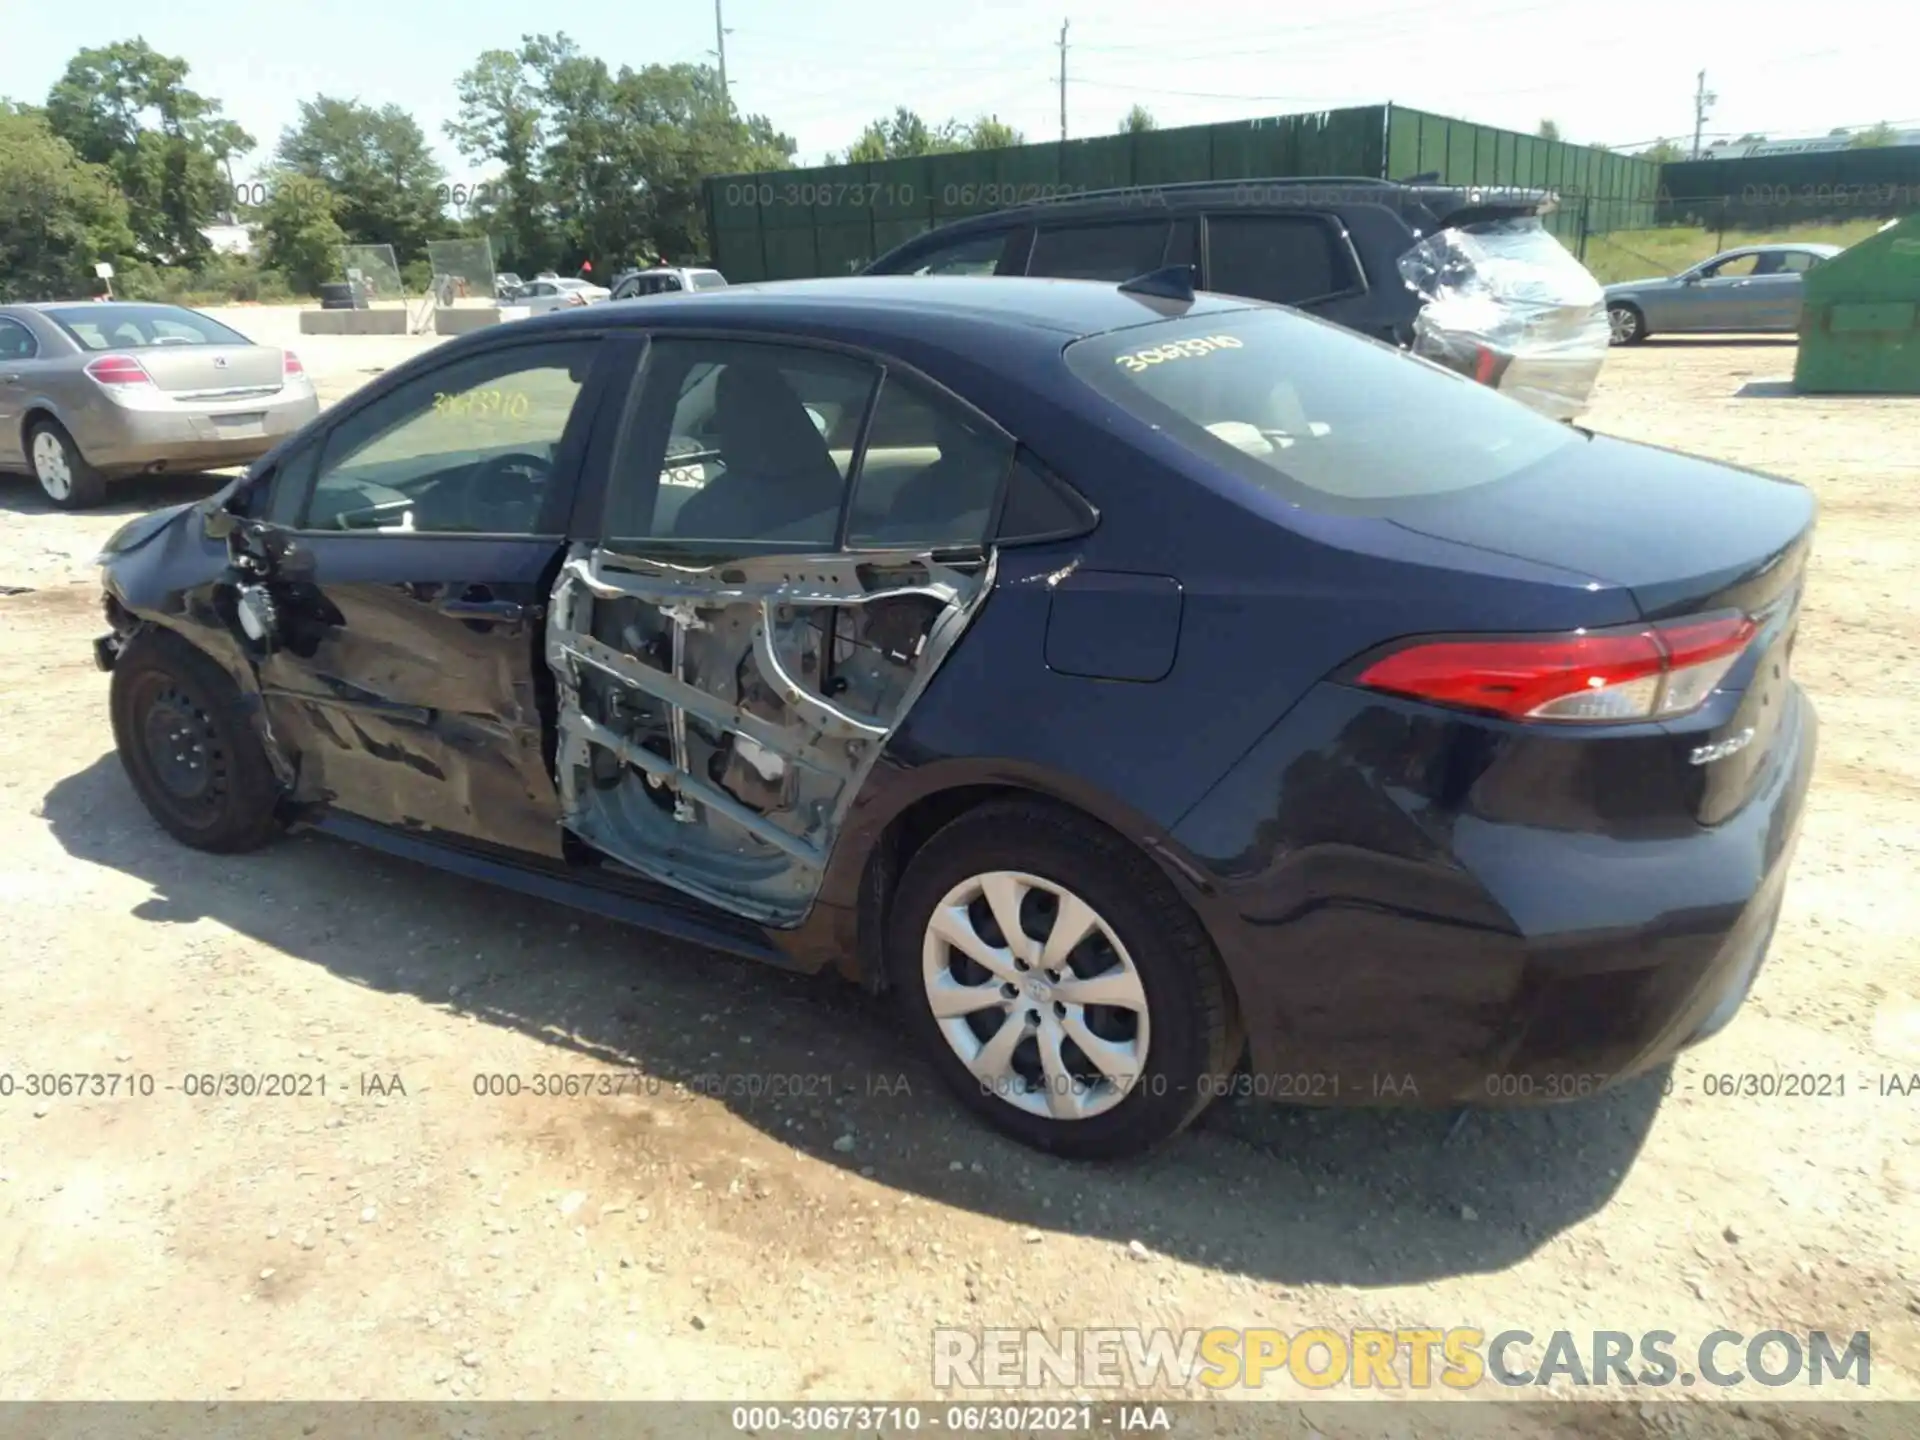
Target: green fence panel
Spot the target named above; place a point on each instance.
(838, 194)
(1168, 157)
(1105, 163)
(1403, 143)
(1433, 144)
(827, 219)
(734, 200)
(963, 183)
(899, 189)
(1768, 191)
(1025, 173)
(845, 249)
(791, 253)
(736, 254)
(889, 233)
(1260, 149)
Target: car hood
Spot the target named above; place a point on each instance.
(142, 528)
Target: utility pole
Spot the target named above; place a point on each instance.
(720, 50)
(1063, 79)
(1702, 99)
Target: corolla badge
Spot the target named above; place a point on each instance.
(1732, 745)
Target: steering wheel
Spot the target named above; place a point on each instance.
(504, 492)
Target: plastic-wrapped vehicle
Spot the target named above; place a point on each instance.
(1507, 304)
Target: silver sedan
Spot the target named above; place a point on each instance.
(1752, 289)
(91, 392)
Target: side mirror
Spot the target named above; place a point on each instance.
(1692, 277)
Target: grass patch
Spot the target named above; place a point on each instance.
(1638, 254)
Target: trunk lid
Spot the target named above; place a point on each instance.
(187, 371)
(1683, 535)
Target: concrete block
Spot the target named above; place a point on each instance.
(354, 322)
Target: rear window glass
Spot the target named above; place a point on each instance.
(136, 327)
(1116, 250)
(709, 280)
(1289, 259)
(1312, 413)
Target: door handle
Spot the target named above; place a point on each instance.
(483, 610)
(9, 379)
(476, 602)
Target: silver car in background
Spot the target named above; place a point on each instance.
(94, 391)
(1752, 289)
(537, 297)
(666, 280)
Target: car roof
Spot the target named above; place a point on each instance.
(883, 307)
(1279, 191)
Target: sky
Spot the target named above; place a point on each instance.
(820, 71)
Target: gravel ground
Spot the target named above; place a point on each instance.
(402, 1236)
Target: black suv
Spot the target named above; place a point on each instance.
(1329, 245)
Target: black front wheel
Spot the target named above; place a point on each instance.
(1058, 982)
(188, 748)
(1626, 325)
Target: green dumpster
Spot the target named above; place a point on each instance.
(1860, 318)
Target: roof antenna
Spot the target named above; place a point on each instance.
(1173, 282)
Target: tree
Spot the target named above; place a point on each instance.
(1873, 137)
(384, 178)
(601, 165)
(500, 122)
(1549, 130)
(989, 132)
(1751, 138)
(299, 235)
(905, 134)
(1138, 121)
(1663, 152)
(59, 215)
(127, 107)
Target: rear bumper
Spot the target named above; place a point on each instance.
(124, 439)
(1509, 965)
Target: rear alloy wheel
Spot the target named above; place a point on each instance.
(188, 748)
(1626, 325)
(1059, 984)
(64, 475)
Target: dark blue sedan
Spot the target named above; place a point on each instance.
(1163, 697)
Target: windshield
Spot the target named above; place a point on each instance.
(1312, 413)
(137, 327)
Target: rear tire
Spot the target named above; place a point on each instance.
(1626, 325)
(189, 748)
(65, 477)
(1164, 1022)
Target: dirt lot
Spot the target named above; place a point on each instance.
(430, 1242)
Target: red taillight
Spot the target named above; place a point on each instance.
(292, 365)
(1591, 678)
(1483, 366)
(118, 370)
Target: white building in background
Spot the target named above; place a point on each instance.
(229, 239)
(1825, 143)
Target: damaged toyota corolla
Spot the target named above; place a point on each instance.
(1163, 696)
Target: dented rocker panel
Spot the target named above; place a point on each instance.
(698, 742)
